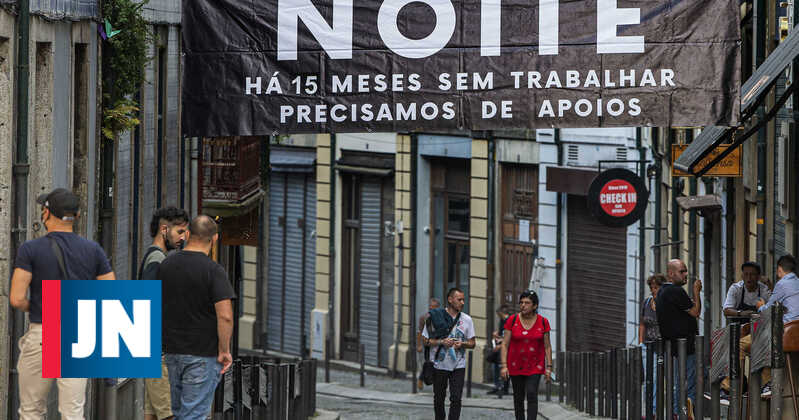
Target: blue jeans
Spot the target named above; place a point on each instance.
(192, 382)
(654, 377)
(690, 381)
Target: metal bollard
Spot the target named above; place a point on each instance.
(570, 382)
(581, 385)
(754, 399)
(589, 373)
(327, 360)
(623, 392)
(600, 393)
(614, 384)
(591, 383)
(363, 365)
(608, 369)
(735, 372)
(561, 377)
(659, 379)
(649, 371)
(629, 391)
(469, 376)
(699, 368)
(636, 393)
(682, 355)
(668, 368)
(237, 397)
(777, 361)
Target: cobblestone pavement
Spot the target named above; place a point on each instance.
(387, 398)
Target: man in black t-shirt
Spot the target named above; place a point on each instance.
(677, 315)
(197, 321)
(37, 260)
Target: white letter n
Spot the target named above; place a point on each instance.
(117, 324)
(335, 40)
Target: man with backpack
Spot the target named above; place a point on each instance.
(168, 229)
(59, 255)
(448, 333)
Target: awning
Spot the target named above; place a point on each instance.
(294, 159)
(753, 94)
(570, 180)
(366, 163)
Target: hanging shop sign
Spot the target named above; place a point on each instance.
(730, 166)
(291, 66)
(617, 197)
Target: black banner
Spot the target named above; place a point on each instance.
(290, 66)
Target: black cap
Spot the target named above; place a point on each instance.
(752, 264)
(61, 202)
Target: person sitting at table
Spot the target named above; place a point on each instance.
(742, 296)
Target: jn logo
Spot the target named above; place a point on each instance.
(101, 329)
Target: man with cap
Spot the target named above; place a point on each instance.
(742, 296)
(61, 254)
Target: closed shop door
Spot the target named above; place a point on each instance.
(292, 216)
(596, 284)
(450, 218)
(519, 221)
(367, 269)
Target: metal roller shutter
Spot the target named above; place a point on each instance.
(274, 322)
(596, 281)
(292, 298)
(292, 255)
(370, 271)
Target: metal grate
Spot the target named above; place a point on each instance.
(621, 153)
(573, 152)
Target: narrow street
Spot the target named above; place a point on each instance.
(388, 398)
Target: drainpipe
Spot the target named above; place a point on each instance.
(658, 196)
(263, 233)
(558, 251)
(491, 300)
(331, 301)
(676, 215)
(641, 223)
(693, 224)
(760, 40)
(414, 220)
(21, 168)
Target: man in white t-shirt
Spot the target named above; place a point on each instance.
(449, 357)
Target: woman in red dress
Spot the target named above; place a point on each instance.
(526, 354)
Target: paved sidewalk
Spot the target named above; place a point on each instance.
(389, 398)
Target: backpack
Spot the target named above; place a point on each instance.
(428, 368)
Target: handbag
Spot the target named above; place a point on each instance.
(429, 367)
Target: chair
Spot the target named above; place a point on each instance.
(790, 344)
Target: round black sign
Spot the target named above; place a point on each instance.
(617, 197)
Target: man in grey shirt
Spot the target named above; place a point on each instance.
(742, 296)
(168, 229)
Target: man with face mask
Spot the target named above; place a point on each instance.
(64, 255)
(168, 228)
